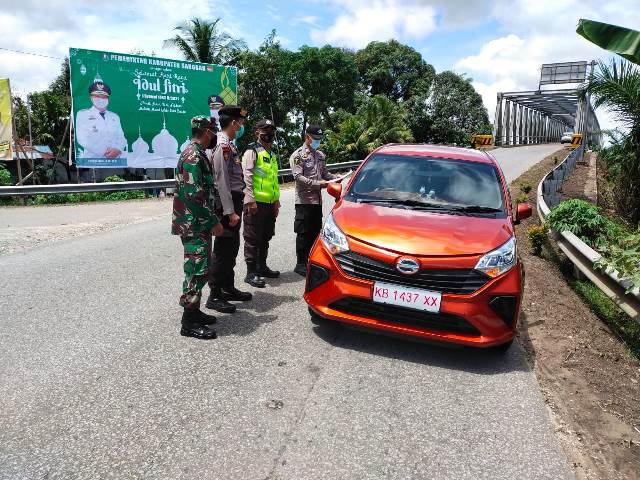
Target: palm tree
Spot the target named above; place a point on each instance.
(202, 41)
(617, 87)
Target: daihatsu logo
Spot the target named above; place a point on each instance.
(408, 266)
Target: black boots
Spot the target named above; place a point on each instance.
(266, 272)
(195, 324)
(301, 269)
(254, 280)
(217, 302)
(232, 294)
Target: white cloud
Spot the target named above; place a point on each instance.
(362, 22)
(119, 25)
(544, 32)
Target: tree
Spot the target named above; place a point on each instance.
(378, 121)
(326, 79)
(394, 70)
(617, 87)
(448, 112)
(200, 40)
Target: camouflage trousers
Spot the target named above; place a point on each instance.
(196, 269)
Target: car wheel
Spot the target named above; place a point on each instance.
(503, 348)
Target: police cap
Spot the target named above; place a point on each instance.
(233, 111)
(315, 131)
(215, 101)
(99, 88)
(265, 124)
(202, 123)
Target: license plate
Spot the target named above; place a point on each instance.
(407, 297)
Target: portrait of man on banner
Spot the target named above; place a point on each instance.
(98, 130)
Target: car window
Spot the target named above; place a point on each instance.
(436, 181)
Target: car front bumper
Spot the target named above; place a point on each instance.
(487, 317)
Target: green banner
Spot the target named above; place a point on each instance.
(135, 111)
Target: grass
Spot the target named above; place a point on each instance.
(624, 327)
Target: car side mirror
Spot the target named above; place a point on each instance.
(523, 211)
(335, 190)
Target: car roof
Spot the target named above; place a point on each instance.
(437, 151)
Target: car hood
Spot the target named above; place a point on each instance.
(419, 233)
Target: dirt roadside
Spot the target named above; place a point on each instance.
(588, 378)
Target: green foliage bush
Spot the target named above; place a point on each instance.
(619, 248)
(524, 198)
(584, 220)
(525, 188)
(537, 236)
(5, 177)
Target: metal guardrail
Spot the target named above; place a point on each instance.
(580, 254)
(26, 190)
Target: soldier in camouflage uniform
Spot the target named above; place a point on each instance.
(194, 221)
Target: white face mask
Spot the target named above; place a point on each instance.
(100, 102)
(215, 114)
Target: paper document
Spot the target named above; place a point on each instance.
(339, 179)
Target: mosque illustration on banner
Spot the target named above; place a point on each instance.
(163, 153)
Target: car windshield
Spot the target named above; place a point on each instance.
(428, 183)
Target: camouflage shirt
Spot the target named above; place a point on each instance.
(193, 201)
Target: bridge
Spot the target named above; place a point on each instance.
(95, 377)
(543, 115)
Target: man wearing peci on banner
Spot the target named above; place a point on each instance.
(98, 131)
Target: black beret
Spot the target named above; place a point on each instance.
(233, 111)
(215, 100)
(99, 87)
(202, 122)
(265, 123)
(315, 131)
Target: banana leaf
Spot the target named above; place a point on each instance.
(623, 41)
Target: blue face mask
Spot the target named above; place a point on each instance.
(315, 144)
(240, 132)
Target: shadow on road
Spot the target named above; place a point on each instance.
(467, 359)
(241, 323)
(285, 278)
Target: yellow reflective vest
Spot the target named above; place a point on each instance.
(265, 176)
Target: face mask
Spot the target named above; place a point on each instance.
(99, 102)
(315, 144)
(267, 137)
(240, 132)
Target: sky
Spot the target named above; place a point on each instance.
(500, 44)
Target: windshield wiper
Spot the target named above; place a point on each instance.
(476, 209)
(396, 201)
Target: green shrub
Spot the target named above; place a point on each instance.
(584, 220)
(537, 235)
(623, 255)
(124, 195)
(524, 198)
(5, 177)
(525, 188)
(113, 178)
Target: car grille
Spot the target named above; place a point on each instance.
(389, 313)
(452, 280)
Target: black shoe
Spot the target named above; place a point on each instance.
(201, 332)
(266, 272)
(197, 317)
(254, 280)
(217, 303)
(232, 294)
(301, 269)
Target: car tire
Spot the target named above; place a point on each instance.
(503, 347)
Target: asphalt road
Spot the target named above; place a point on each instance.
(95, 381)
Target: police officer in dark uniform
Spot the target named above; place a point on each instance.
(309, 169)
(261, 203)
(229, 178)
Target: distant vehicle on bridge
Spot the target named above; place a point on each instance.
(421, 242)
(566, 137)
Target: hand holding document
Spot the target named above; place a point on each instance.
(342, 177)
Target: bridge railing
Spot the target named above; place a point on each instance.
(27, 190)
(582, 255)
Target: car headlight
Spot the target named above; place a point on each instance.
(333, 238)
(500, 260)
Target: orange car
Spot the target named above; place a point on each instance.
(421, 243)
